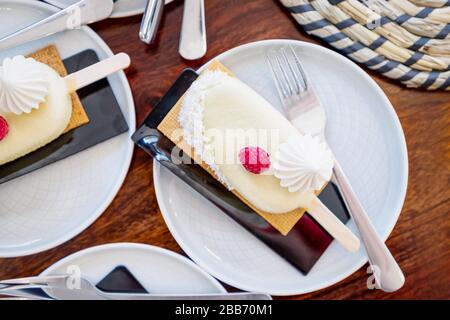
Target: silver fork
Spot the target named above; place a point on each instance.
(306, 113)
(67, 287)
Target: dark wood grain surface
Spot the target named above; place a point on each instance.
(420, 240)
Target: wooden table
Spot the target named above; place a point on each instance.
(420, 240)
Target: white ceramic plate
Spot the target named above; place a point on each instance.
(50, 206)
(363, 131)
(122, 8)
(158, 270)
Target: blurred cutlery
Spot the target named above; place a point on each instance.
(150, 20)
(193, 30)
(72, 17)
(68, 287)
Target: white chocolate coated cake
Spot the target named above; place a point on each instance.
(222, 117)
(33, 126)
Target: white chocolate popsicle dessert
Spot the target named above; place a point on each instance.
(254, 149)
(35, 103)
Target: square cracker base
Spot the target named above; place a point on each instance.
(50, 56)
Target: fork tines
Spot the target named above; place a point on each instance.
(287, 71)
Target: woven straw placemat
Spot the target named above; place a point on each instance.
(170, 127)
(50, 56)
(408, 41)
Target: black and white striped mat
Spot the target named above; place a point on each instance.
(408, 41)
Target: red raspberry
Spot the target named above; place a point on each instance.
(254, 159)
(4, 128)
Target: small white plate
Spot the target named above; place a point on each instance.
(366, 136)
(158, 270)
(122, 8)
(50, 206)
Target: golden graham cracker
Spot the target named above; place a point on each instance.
(170, 127)
(50, 56)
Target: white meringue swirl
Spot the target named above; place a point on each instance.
(24, 84)
(303, 164)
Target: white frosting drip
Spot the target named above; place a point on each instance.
(191, 120)
(303, 164)
(24, 85)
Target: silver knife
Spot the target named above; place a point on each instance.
(72, 17)
(59, 288)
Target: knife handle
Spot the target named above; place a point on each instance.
(150, 20)
(388, 275)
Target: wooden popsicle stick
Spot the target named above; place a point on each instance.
(333, 225)
(98, 71)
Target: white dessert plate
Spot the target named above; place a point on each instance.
(364, 133)
(158, 270)
(122, 8)
(47, 207)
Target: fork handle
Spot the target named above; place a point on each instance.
(388, 275)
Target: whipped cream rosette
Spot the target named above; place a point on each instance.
(24, 85)
(303, 164)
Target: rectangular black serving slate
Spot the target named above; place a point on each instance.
(302, 246)
(120, 280)
(106, 121)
